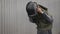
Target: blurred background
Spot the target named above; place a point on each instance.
(14, 19)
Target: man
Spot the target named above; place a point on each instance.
(38, 14)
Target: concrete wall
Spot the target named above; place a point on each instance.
(14, 19)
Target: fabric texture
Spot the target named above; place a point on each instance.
(43, 21)
(44, 32)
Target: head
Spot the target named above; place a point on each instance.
(31, 8)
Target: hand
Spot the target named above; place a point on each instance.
(39, 9)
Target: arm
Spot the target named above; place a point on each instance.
(33, 19)
(47, 18)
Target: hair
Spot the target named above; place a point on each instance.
(31, 8)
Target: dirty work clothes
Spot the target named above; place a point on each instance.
(44, 32)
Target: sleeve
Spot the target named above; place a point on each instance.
(33, 19)
(48, 18)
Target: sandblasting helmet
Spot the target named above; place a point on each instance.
(31, 8)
